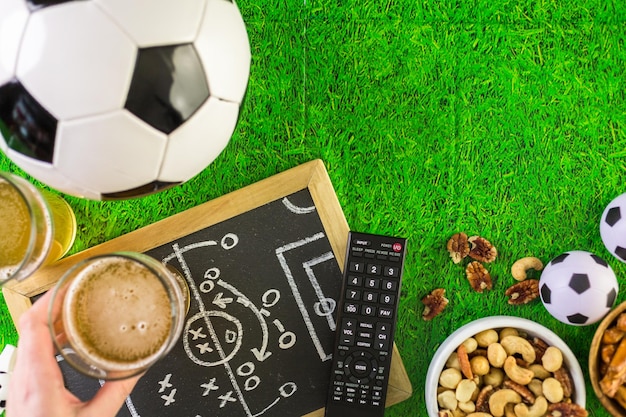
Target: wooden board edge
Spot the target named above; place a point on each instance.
(17, 304)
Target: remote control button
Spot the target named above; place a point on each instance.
(365, 335)
(374, 269)
(368, 311)
(348, 332)
(391, 271)
(351, 308)
(366, 325)
(387, 299)
(370, 297)
(353, 294)
(355, 281)
(372, 283)
(389, 285)
(357, 267)
(386, 313)
(361, 242)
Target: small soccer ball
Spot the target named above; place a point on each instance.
(613, 227)
(112, 99)
(578, 288)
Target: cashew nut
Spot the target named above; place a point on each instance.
(538, 409)
(496, 355)
(516, 373)
(500, 399)
(552, 359)
(479, 414)
(519, 268)
(518, 345)
(552, 390)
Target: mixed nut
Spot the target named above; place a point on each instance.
(613, 361)
(506, 373)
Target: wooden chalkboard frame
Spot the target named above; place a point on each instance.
(311, 175)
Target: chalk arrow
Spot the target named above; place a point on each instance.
(222, 301)
(262, 354)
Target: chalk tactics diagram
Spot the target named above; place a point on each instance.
(258, 337)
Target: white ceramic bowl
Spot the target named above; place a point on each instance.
(498, 322)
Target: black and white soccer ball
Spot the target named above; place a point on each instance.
(578, 288)
(110, 99)
(613, 227)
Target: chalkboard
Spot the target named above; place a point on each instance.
(263, 265)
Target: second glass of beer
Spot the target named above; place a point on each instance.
(113, 316)
(36, 228)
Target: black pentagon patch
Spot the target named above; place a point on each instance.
(579, 283)
(613, 216)
(144, 190)
(26, 126)
(599, 261)
(546, 294)
(621, 252)
(559, 259)
(577, 318)
(168, 86)
(40, 4)
(610, 298)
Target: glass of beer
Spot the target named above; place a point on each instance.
(113, 316)
(36, 228)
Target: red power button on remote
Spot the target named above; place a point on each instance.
(397, 247)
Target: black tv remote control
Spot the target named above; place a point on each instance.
(366, 321)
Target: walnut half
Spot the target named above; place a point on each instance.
(434, 303)
(458, 246)
(523, 292)
(478, 277)
(482, 250)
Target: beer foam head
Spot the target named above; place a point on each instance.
(118, 313)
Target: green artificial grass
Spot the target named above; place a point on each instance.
(500, 118)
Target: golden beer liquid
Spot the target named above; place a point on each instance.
(117, 314)
(15, 229)
(64, 222)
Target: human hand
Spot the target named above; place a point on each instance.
(37, 388)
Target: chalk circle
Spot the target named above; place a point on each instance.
(325, 307)
(229, 241)
(287, 340)
(246, 369)
(267, 302)
(288, 389)
(233, 338)
(210, 275)
(251, 383)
